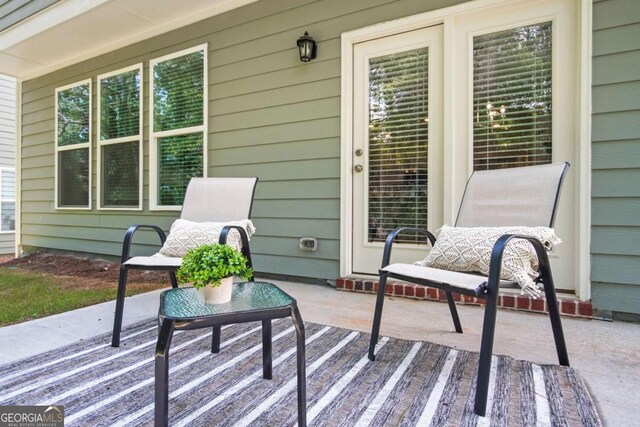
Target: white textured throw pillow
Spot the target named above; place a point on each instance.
(469, 250)
(185, 235)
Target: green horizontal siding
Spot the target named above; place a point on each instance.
(294, 228)
(615, 13)
(615, 211)
(621, 269)
(619, 39)
(616, 97)
(616, 154)
(616, 125)
(283, 151)
(303, 169)
(291, 132)
(301, 267)
(616, 183)
(616, 297)
(285, 189)
(306, 208)
(611, 240)
(270, 116)
(309, 91)
(297, 112)
(327, 68)
(615, 267)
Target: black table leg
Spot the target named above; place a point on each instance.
(162, 373)
(301, 366)
(215, 339)
(267, 364)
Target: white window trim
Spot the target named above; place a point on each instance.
(6, 199)
(18, 163)
(138, 137)
(154, 136)
(447, 17)
(73, 147)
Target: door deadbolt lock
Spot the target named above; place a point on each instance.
(359, 152)
(358, 168)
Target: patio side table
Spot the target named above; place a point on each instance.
(182, 309)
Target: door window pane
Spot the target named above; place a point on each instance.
(398, 143)
(512, 105)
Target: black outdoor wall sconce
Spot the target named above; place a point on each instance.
(307, 47)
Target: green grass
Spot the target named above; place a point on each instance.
(25, 296)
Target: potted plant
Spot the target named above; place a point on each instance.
(210, 268)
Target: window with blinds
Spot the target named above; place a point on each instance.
(179, 123)
(7, 199)
(512, 97)
(120, 142)
(73, 146)
(398, 143)
(180, 159)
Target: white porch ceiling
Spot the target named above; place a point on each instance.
(71, 31)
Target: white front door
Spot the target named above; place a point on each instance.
(397, 144)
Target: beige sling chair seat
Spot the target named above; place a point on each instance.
(206, 200)
(518, 197)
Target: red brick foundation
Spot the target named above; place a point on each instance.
(568, 306)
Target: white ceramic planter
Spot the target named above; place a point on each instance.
(217, 294)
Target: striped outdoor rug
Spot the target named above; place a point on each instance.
(409, 384)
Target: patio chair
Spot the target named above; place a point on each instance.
(525, 196)
(207, 200)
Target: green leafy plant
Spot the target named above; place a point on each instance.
(209, 264)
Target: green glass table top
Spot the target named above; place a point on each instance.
(185, 303)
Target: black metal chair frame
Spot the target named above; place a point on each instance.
(168, 325)
(126, 255)
(124, 270)
(489, 291)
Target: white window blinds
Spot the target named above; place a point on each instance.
(179, 123)
(398, 143)
(178, 92)
(120, 145)
(512, 114)
(72, 144)
(120, 105)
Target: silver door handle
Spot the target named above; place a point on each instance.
(358, 168)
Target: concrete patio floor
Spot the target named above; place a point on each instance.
(606, 354)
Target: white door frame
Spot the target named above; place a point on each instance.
(447, 17)
(365, 252)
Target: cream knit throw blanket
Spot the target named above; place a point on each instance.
(469, 250)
